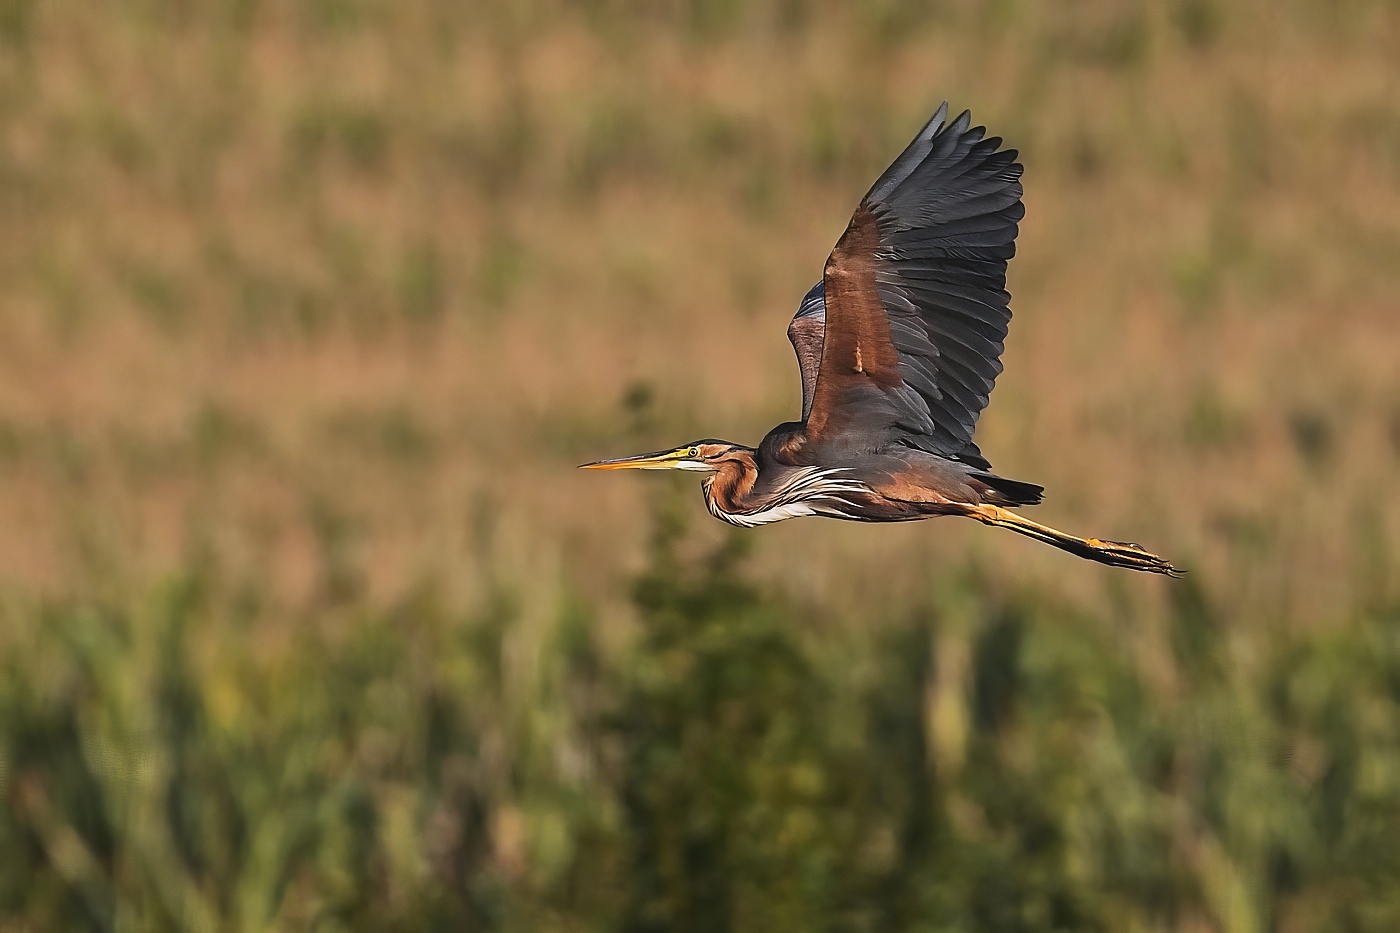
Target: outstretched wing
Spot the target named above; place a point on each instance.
(913, 302)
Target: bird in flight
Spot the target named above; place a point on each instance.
(899, 345)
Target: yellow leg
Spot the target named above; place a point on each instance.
(1113, 553)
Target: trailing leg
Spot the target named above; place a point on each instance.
(1113, 553)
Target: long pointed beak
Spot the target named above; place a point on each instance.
(662, 460)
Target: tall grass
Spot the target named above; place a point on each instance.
(986, 759)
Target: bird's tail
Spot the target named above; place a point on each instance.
(1113, 553)
(1002, 491)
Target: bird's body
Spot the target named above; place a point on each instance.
(755, 487)
(899, 346)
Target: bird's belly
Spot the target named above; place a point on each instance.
(855, 508)
(765, 516)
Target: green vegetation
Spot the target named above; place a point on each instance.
(980, 762)
(308, 309)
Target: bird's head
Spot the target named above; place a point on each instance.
(707, 456)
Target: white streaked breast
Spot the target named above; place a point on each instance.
(811, 491)
(766, 517)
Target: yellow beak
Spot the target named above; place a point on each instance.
(662, 460)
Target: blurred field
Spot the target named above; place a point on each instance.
(307, 311)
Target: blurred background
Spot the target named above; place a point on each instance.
(309, 309)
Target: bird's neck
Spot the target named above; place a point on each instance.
(730, 488)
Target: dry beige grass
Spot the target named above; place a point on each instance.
(385, 272)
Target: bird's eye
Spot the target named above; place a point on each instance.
(693, 453)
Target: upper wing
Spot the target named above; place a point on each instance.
(915, 305)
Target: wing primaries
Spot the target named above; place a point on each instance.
(913, 300)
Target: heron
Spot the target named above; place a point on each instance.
(898, 346)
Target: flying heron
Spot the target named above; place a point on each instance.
(899, 345)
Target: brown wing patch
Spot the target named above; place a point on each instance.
(924, 485)
(858, 344)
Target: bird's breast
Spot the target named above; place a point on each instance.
(766, 516)
(794, 494)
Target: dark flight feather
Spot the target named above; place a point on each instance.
(901, 341)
